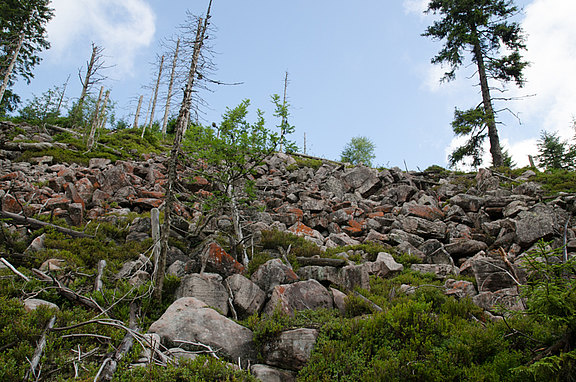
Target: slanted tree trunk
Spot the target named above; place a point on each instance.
(495, 148)
(11, 66)
(170, 85)
(181, 123)
(155, 95)
(103, 115)
(138, 112)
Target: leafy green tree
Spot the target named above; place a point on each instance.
(481, 28)
(22, 37)
(230, 154)
(555, 153)
(360, 150)
(44, 108)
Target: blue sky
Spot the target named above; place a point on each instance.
(355, 69)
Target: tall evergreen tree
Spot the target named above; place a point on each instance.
(481, 28)
(22, 37)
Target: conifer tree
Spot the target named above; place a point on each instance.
(481, 28)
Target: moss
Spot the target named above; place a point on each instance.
(302, 162)
(555, 181)
(299, 246)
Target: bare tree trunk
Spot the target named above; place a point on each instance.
(170, 85)
(146, 121)
(156, 92)
(62, 95)
(181, 124)
(11, 66)
(103, 115)
(237, 224)
(282, 132)
(138, 112)
(495, 148)
(90, 140)
(39, 350)
(92, 67)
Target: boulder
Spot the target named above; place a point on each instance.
(459, 288)
(421, 227)
(323, 274)
(247, 297)
(493, 274)
(206, 287)
(535, 224)
(468, 203)
(353, 276)
(363, 179)
(291, 350)
(190, 320)
(267, 373)
(459, 248)
(302, 295)
(384, 265)
(219, 261)
(34, 303)
(273, 272)
(503, 298)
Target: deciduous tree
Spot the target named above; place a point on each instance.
(481, 28)
(360, 150)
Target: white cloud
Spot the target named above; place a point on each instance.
(551, 42)
(122, 28)
(415, 6)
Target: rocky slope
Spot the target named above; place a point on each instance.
(477, 225)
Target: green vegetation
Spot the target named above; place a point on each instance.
(360, 150)
(555, 154)
(302, 162)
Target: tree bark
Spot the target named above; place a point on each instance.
(36, 224)
(170, 86)
(181, 124)
(11, 66)
(495, 148)
(90, 139)
(155, 95)
(138, 112)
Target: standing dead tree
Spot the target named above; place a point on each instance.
(181, 124)
(170, 86)
(93, 76)
(155, 96)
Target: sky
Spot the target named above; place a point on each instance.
(355, 69)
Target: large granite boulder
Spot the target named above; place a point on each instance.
(206, 287)
(302, 295)
(273, 272)
(247, 297)
(292, 349)
(191, 320)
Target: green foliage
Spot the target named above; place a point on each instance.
(199, 370)
(302, 162)
(24, 20)
(300, 247)
(360, 150)
(45, 108)
(555, 181)
(9, 103)
(554, 153)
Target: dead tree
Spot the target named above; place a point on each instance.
(97, 118)
(155, 97)
(93, 76)
(170, 85)
(181, 124)
(138, 112)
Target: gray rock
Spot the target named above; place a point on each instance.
(273, 272)
(534, 224)
(34, 303)
(362, 179)
(504, 298)
(189, 319)
(319, 273)
(463, 248)
(421, 227)
(292, 349)
(248, 298)
(398, 237)
(384, 265)
(339, 299)
(267, 373)
(353, 276)
(492, 274)
(341, 239)
(302, 295)
(459, 288)
(206, 287)
(468, 203)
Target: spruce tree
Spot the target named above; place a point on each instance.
(481, 28)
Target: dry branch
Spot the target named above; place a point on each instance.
(13, 269)
(39, 350)
(68, 293)
(37, 224)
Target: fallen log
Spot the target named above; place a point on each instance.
(37, 224)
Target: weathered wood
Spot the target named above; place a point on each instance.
(170, 86)
(68, 293)
(39, 350)
(98, 282)
(37, 224)
(13, 269)
(322, 262)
